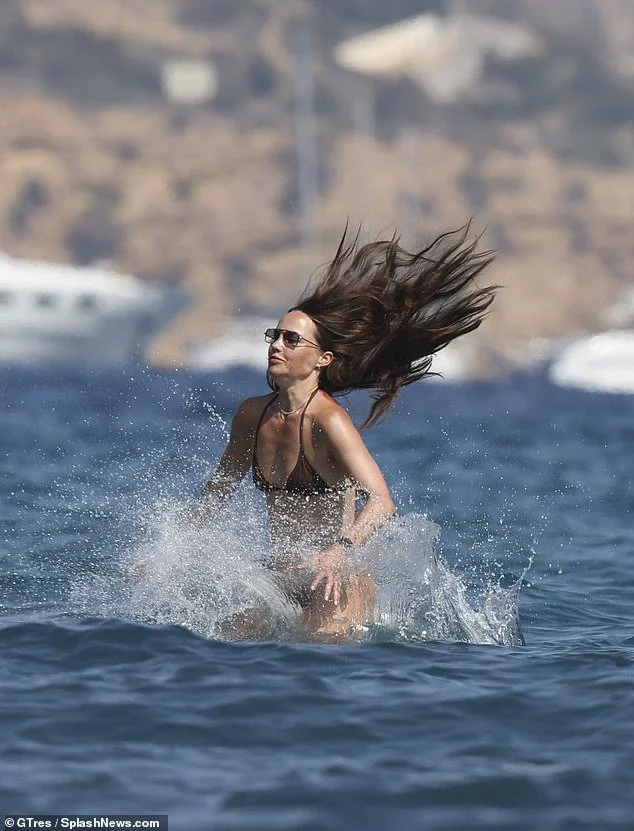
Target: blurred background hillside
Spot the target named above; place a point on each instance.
(236, 177)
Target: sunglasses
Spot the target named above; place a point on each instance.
(289, 338)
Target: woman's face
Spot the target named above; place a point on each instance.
(299, 362)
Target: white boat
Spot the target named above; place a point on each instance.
(452, 363)
(59, 313)
(602, 363)
(241, 343)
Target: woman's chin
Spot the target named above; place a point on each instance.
(274, 368)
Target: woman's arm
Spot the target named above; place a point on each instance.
(234, 464)
(231, 470)
(354, 459)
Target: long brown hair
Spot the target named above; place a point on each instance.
(384, 311)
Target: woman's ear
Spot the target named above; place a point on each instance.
(325, 358)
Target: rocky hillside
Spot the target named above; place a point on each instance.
(97, 164)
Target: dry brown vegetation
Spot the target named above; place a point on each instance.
(209, 196)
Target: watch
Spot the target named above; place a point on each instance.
(345, 542)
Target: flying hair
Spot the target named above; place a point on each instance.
(384, 311)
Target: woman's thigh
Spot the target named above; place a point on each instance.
(356, 608)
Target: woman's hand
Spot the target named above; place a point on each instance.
(330, 565)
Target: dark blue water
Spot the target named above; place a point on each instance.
(119, 699)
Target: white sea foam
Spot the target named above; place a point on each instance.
(420, 598)
(204, 577)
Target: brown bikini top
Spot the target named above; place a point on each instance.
(303, 479)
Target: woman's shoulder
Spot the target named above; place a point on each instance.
(329, 415)
(252, 408)
(257, 401)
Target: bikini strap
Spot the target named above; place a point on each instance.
(301, 423)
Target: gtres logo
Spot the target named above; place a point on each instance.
(71, 823)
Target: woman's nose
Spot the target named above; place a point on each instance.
(279, 341)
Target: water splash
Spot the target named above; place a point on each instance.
(205, 577)
(420, 598)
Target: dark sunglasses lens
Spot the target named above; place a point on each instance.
(291, 338)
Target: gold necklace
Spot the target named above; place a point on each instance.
(285, 413)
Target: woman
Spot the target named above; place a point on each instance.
(373, 321)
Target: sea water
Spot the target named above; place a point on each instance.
(494, 689)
